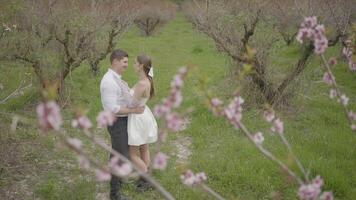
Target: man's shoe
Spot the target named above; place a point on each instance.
(142, 185)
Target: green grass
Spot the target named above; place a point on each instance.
(315, 126)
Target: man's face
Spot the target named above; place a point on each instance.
(122, 64)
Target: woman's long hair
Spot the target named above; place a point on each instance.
(147, 64)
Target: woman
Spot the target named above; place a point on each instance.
(142, 128)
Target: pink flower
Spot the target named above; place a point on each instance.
(308, 192)
(320, 45)
(174, 122)
(105, 118)
(83, 162)
(318, 181)
(121, 169)
(344, 100)
(328, 78)
(332, 61)
(309, 22)
(160, 161)
(258, 138)
(333, 93)
(352, 115)
(177, 99)
(319, 29)
(82, 122)
(269, 115)
(234, 110)
(215, 102)
(327, 196)
(102, 175)
(177, 81)
(74, 143)
(158, 111)
(277, 126)
(200, 178)
(353, 127)
(49, 116)
(309, 29)
(188, 178)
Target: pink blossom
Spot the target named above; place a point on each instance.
(353, 127)
(188, 178)
(105, 118)
(200, 178)
(309, 22)
(102, 175)
(234, 111)
(83, 162)
(215, 102)
(333, 93)
(308, 192)
(160, 161)
(177, 81)
(344, 100)
(74, 143)
(352, 115)
(177, 99)
(121, 169)
(320, 45)
(328, 78)
(318, 181)
(174, 122)
(269, 115)
(258, 138)
(49, 116)
(327, 196)
(319, 29)
(309, 29)
(81, 122)
(332, 61)
(158, 111)
(277, 126)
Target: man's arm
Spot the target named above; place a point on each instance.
(134, 110)
(108, 99)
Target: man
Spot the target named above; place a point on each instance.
(115, 97)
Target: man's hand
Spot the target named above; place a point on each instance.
(138, 110)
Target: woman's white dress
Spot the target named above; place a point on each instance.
(142, 128)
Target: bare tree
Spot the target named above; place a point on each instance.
(237, 26)
(56, 37)
(119, 18)
(154, 14)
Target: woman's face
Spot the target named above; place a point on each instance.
(137, 66)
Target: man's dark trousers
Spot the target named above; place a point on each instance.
(119, 142)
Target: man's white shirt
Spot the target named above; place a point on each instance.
(115, 92)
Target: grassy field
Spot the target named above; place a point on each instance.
(36, 167)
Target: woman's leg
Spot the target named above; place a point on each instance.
(135, 158)
(145, 154)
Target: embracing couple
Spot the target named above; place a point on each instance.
(135, 126)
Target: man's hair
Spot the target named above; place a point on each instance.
(118, 54)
